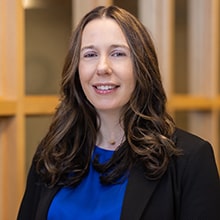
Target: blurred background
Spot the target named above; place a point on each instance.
(34, 36)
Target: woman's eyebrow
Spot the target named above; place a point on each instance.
(112, 46)
(87, 47)
(120, 46)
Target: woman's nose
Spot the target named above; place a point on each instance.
(103, 66)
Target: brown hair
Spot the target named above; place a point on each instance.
(64, 154)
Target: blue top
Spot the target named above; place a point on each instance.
(90, 200)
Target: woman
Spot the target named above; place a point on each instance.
(112, 151)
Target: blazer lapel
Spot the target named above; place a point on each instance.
(138, 193)
(45, 200)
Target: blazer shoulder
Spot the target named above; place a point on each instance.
(189, 142)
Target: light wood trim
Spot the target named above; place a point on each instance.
(204, 68)
(7, 108)
(188, 102)
(40, 105)
(45, 105)
(215, 79)
(17, 125)
(200, 48)
(3, 152)
(12, 136)
(158, 17)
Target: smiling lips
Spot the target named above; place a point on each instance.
(105, 88)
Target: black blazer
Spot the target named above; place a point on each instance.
(189, 190)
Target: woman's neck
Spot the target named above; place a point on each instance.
(111, 133)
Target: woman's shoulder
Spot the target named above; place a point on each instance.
(190, 143)
(197, 156)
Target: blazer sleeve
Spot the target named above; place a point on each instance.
(31, 197)
(200, 184)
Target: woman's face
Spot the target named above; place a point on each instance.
(106, 67)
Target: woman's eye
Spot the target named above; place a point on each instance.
(89, 54)
(118, 54)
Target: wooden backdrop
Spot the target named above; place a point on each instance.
(196, 107)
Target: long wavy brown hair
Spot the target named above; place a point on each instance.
(64, 154)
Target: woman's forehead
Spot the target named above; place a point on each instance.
(103, 30)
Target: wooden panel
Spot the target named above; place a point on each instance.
(40, 105)
(7, 108)
(202, 103)
(180, 48)
(45, 105)
(188, 102)
(12, 171)
(11, 92)
(203, 65)
(3, 152)
(202, 47)
(158, 17)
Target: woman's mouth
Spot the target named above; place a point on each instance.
(107, 88)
